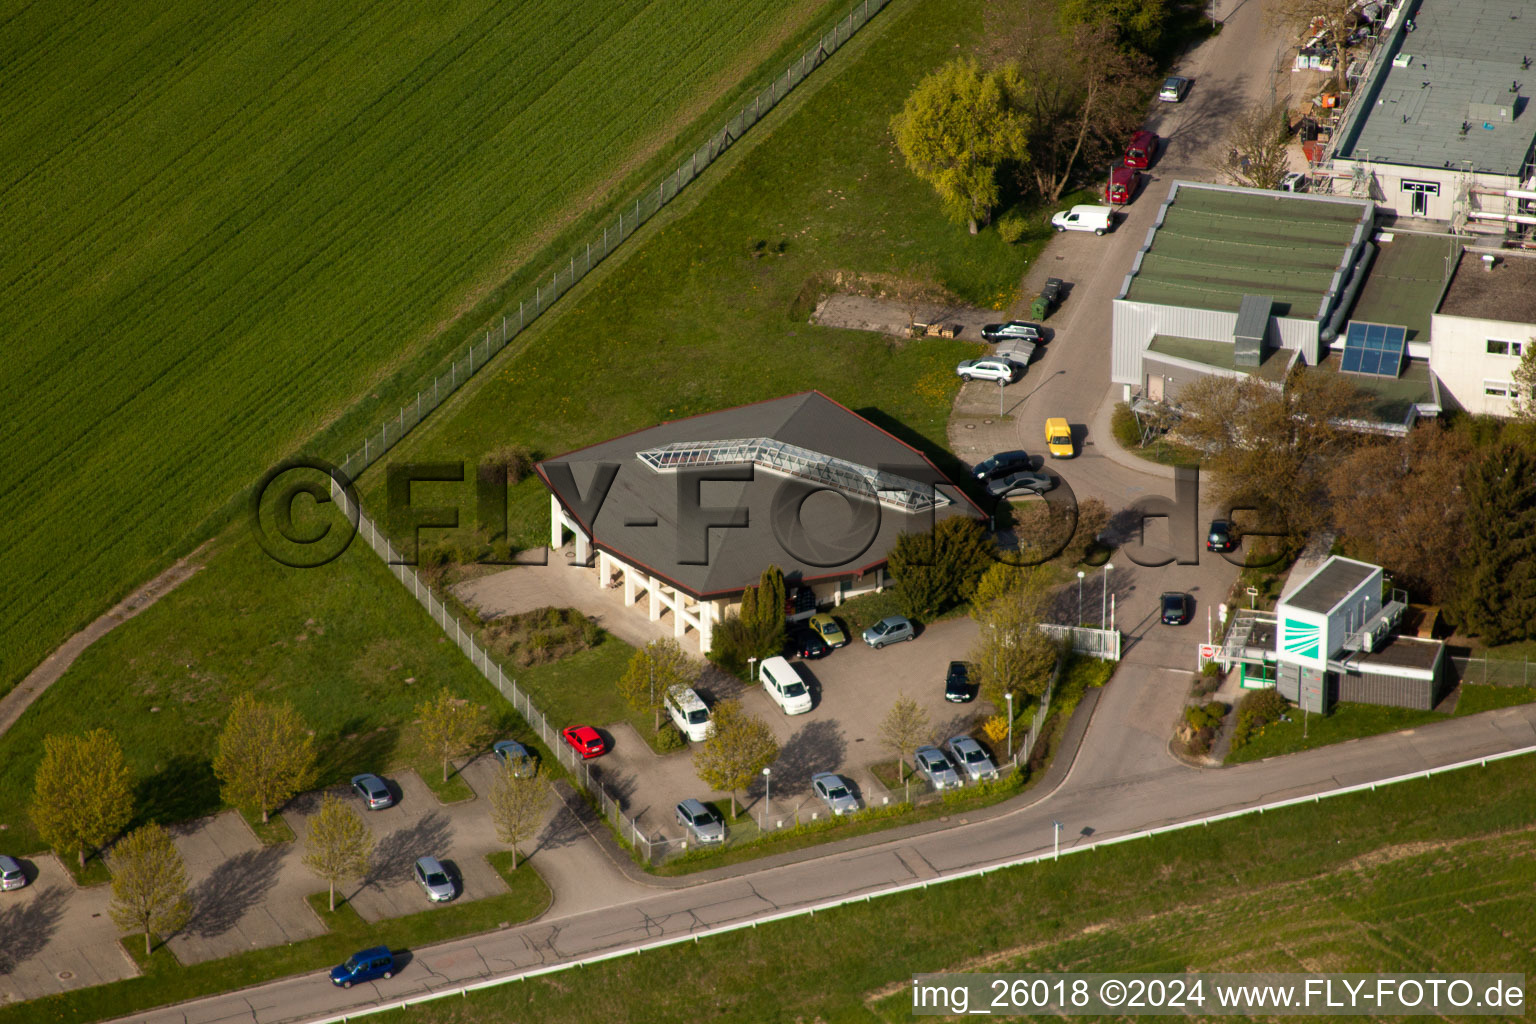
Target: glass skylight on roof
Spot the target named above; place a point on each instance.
(890, 489)
(1375, 350)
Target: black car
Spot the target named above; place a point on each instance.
(1034, 483)
(1002, 464)
(1221, 536)
(1176, 608)
(807, 643)
(957, 684)
(1012, 329)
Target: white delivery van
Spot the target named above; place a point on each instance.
(1083, 218)
(689, 713)
(784, 686)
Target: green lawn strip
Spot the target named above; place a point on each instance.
(272, 832)
(1341, 850)
(454, 789)
(165, 980)
(1345, 722)
(95, 871)
(1475, 698)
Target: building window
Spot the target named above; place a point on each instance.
(1503, 348)
(1498, 388)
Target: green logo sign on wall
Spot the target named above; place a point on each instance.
(1303, 639)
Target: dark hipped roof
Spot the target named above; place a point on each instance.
(1329, 585)
(737, 557)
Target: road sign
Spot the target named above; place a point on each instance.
(1207, 651)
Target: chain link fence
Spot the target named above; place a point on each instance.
(1493, 671)
(562, 278)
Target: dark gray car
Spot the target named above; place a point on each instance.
(1032, 482)
(376, 795)
(515, 754)
(701, 820)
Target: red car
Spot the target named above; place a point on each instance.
(1142, 149)
(1122, 185)
(585, 740)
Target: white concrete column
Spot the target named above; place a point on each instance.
(604, 570)
(653, 589)
(556, 535)
(708, 613)
(583, 547)
(679, 614)
(629, 585)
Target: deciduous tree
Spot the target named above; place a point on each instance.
(653, 670)
(959, 126)
(149, 884)
(1256, 144)
(1523, 405)
(266, 755)
(739, 747)
(1333, 19)
(517, 806)
(1496, 589)
(905, 727)
(449, 726)
(83, 792)
(340, 844)
(1011, 654)
(1136, 24)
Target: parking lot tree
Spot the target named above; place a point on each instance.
(82, 793)
(738, 748)
(1011, 654)
(266, 756)
(905, 727)
(149, 884)
(518, 803)
(338, 844)
(450, 726)
(653, 670)
(1496, 589)
(939, 569)
(957, 129)
(1256, 146)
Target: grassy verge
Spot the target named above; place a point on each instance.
(1475, 698)
(1430, 874)
(272, 832)
(1345, 722)
(455, 789)
(165, 980)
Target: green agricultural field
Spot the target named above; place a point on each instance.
(223, 225)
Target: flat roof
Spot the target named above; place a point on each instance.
(1219, 354)
(1461, 59)
(1390, 398)
(1330, 584)
(1405, 282)
(1401, 652)
(1217, 244)
(820, 536)
(1507, 292)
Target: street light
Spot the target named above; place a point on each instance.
(1057, 855)
(752, 669)
(767, 796)
(1008, 696)
(1080, 575)
(1104, 596)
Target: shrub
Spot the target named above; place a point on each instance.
(735, 641)
(1123, 424)
(669, 739)
(510, 462)
(542, 635)
(1257, 709)
(1011, 227)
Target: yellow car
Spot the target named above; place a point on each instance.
(1058, 438)
(828, 629)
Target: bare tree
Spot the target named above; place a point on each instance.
(83, 793)
(149, 884)
(449, 726)
(518, 803)
(340, 844)
(1333, 19)
(266, 755)
(738, 748)
(1257, 141)
(905, 728)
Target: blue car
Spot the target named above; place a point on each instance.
(366, 965)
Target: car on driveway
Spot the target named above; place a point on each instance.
(890, 630)
(834, 792)
(1121, 186)
(1177, 608)
(1142, 150)
(973, 761)
(701, 820)
(585, 740)
(1002, 464)
(375, 794)
(1028, 480)
(932, 765)
(1012, 329)
(1174, 89)
(783, 685)
(11, 874)
(433, 879)
(990, 368)
(807, 643)
(1221, 536)
(364, 965)
(1097, 219)
(513, 753)
(957, 683)
(829, 630)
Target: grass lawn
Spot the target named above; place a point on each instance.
(1431, 874)
(1345, 722)
(224, 227)
(165, 980)
(1475, 698)
(580, 688)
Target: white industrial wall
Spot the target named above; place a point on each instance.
(1458, 353)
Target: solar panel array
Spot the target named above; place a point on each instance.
(1375, 350)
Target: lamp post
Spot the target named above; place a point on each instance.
(752, 668)
(1104, 596)
(1057, 854)
(1080, 575)
(1008, 696)
(767, 796)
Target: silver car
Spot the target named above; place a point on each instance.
(11, 875)
(834, 792)
(514, 753)
(697, 817)
(373, 791)
(433, 879)
(973, 760)
(889, 630)
(935, 767)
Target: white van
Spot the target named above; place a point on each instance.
(784, 686)
(1083, 218)
(689, 713)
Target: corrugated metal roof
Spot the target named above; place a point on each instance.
(1253, 318)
